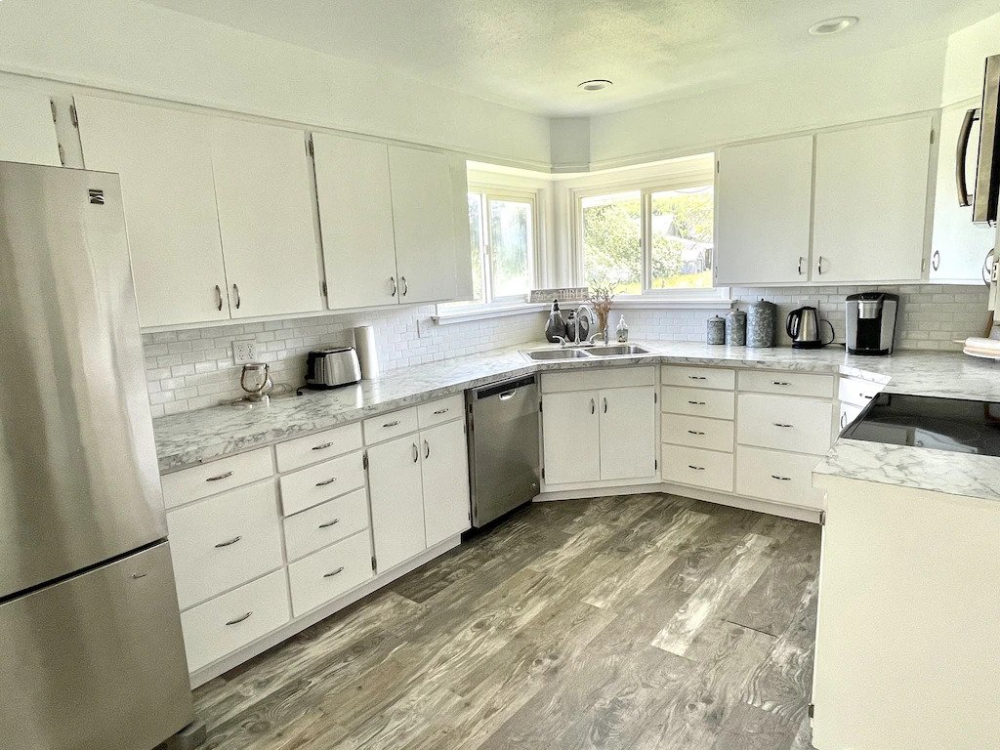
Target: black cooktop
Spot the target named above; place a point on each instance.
(945, 424)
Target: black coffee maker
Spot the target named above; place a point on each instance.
(871, 322)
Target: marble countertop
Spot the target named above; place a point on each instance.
(200, 436)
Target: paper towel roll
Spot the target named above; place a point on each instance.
(364, 342)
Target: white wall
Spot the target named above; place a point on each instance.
(132, 47)
(963, 66)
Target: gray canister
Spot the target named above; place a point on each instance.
(761, 319)
(736, 328)
(716, 331)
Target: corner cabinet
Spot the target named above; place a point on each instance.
(599, 425)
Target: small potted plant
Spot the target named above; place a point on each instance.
(600, 298)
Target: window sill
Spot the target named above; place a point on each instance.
(483, 312)
(653, 302)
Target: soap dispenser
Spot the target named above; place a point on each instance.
(622, 331)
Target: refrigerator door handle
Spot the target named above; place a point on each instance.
(961, 154)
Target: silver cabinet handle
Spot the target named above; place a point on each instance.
(137, 576)
(333, 573)
(779, 424)
(779, 382)
(443, 411)
(936, 260)
(802, 260)
(695, 432)
(696, 377)
(236, 291)
(394, 288)
(781, 479)
(391, 424)
(696, 403)
(229, 543)
(696, 468)
(328, 524)
(220, 477)
(402, 280)
(322, 447)
(593, 406)
(238, 620)
(218, 298)
(819, 266)
(416, 453)
(427, 449)
(868, 396)
(843, 420)
(605, 406)
(325, 482)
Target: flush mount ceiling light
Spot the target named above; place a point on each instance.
(595, 84)
(832, 25)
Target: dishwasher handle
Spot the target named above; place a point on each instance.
(508, 395)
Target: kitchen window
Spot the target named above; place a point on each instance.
(503, 232)
(653, 239)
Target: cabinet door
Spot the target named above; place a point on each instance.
(871, 202)
(163, 158)
(355, 211)
(270, 240)
(29, 134)
(764, 201)
(423, 224)
(397, 501)
(958, 247)
(628, 433)
(571, 437)
(445, 468)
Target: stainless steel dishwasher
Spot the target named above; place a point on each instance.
(503, 447)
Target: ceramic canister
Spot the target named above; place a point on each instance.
(761, 319)
(736, 328)
(716, 331)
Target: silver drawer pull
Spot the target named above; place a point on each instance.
(779, 424)
(695, 432)
(867, 396)
(781, 479)
(696, 468)
(696, 403)
(322, 447)
(238, 620)
(220, 477)
(336, 572)
(328, 524)
(779, 382)
(230, 543)
(696, 377)
(443, 411)
(391, 424)
(325, 482)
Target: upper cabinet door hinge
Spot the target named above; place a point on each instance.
(73, 117)
(62, 154)
(310, 149)
(326, 290)
(718, 167)
(932, 136)
(364, 461)
(52, 106)
(822, 518)
(373, 562)
(812, 711)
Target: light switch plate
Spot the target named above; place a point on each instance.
(244, 351)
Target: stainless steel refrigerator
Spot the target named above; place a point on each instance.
(91, 654)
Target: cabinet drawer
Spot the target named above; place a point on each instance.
(848, 413)
(788, 383)
(443, 410)
(303, 451)
(699, 467)
(699, 402)
(224, 541)
(325, 524)
(597, 379)
(317, 484)
(699, 377)
(856, 391)
(697, 432)
(390, 425)
(210, 479)
(325, 575)
(780, 477)
(224, 624)
(803, 425)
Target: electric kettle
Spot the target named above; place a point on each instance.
(802, 326)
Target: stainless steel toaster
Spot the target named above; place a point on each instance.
(329, 368)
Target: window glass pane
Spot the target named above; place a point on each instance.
(612, 249)
(476, 232)
(682, 242)
(511, 242)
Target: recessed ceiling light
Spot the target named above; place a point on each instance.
(595, 84)
(833, 25)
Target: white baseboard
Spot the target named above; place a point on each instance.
(211, 671)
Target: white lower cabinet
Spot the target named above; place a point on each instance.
(778, 476)
(571, 437)
(334, 570)
(444, 468)
(628, 433)
(701, 468)
(325, 524)
(801, 425)
(397, 500)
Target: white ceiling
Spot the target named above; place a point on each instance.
(532, 53)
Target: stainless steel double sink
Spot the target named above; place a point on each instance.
(615, 350)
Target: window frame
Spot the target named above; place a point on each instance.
(501, 193)
(646, 188)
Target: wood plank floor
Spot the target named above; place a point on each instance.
(649, 621)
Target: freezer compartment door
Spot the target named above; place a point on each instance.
(96, 661)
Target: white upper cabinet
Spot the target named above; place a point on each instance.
(355, 211)
(423, 224)
(870, 216)
(163, 158)
(267, 217)
(764, 198)
(27, 132)
(958, 247)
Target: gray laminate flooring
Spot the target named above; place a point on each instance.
(649, 621)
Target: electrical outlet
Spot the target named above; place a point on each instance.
(244, 351)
